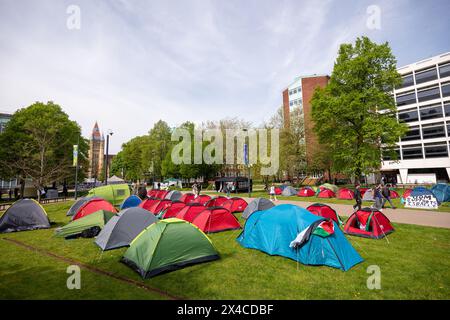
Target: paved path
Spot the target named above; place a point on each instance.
(418, 217)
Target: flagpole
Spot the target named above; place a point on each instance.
(76, 169)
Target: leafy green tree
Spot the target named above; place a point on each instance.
(355, 114)
(38, 144)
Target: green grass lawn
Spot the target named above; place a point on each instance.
(445, 207)
(415, 264)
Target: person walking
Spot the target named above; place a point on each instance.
(227, 189)
(358, 198)
(378, 198)
(195, 190)
(386, 193)
(273, 196)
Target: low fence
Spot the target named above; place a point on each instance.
(6, 205)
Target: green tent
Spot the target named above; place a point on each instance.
(97, 219)
(331, 187)
(114, 193)
(168, 245)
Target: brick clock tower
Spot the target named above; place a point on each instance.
(96, 153)
(299, 94)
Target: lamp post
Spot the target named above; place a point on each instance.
(247, 162)
(109, 133)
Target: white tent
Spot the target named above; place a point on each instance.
(115, 179)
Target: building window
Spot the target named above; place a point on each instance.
(436, 130)
(444, 70)
(412, 134)
(428, 94)
(407, 80)
(408, 115)
(431, 112)
(436, 150)
(426, 75)
(412, 152)
(406, 99)
(446, 89)
(291, 103)
(447, 109)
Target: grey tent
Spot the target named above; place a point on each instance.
(123, 228)
(289, 191)
(258, 204)
(173, 195)
(25, 214)
(368, 195)
(77, 205)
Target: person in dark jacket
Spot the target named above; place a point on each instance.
(142, 192)
(358, 198)
(386, 193)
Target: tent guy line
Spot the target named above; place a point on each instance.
(93, 269)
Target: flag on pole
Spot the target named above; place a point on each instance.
(75, 155)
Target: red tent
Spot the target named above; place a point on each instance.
(394, 194)
(322, 210)
(346, 194)
(216, 201)
(306, 192)
(152, 193)
(368, 223)
(161, 194)
(326, 193)
(278, 191)
(216, 219)
(363, 190)
(159, 205)
(202, 199)
(187, 197)
(92, 206)
(190, 211)
(235, 205)
(148, 203)
(173, 209)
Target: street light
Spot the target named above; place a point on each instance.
(109, 133)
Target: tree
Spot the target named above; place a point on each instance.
(354, 114)
(38, 143)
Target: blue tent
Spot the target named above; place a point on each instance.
(272, 231)
(131, 201)
(441, 191)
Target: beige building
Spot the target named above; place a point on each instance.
(96, 153)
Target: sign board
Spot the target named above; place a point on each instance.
(246, 154)
(421, 202)
(75, 155)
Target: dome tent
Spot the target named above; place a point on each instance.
(216, 219)
(369, 195)
(187, 197)
(258, 204)
(346, 194)
(368, 223)
(289, 191)
(88, 226)
(306, 192)
(114, 193)
(329, 186)
(235, 204)
(166, 246)
(326, 193)
(273, 231)
(174, 195)
(190, 211)
(77, 204)
(325, 211)
(123, 228)
(93, 205)
(24, 214)
(216, 201)
(441, 191)
(173, 210)
(202, 199)
(131, 201)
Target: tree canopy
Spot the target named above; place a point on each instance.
(354, 114)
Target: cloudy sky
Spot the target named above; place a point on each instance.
(132, 63)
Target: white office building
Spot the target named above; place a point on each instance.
(423, 103)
